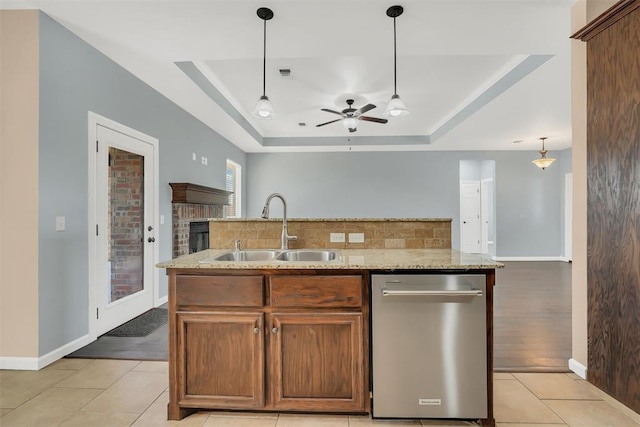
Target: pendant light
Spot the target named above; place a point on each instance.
(264, 109)
(543, 162)
(395, 108)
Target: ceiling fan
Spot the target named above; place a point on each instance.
(350, 116)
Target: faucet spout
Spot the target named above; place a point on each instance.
(284, 239)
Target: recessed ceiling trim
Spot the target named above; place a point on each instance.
(350, 140)
(204, 83)
(514, 71)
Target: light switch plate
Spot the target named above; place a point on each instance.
(336, 237)
(356, 237)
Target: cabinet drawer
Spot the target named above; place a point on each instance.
(231, 291)
(315, 291)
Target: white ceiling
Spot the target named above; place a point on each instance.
(475, 74)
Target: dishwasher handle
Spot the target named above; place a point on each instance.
(439, 293)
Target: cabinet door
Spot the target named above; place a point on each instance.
(221, 360)
(316, 361)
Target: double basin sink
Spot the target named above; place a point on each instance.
(308, 255)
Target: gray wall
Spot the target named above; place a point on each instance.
(566, 166)
(415, 184)
(76, 78)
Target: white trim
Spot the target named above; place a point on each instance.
(578, 368)
(162, 300)
(93, 121)
(529, 258)
(19, 363)
(36, 363)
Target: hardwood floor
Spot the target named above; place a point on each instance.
(532, 323)
(532, 317)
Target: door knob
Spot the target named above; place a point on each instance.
(256, 330)
(274, 330)
(149, 228)
(151, 239)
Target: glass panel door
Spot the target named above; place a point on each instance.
(126, 222)
(124, 230)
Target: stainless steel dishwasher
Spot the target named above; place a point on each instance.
(429, 353)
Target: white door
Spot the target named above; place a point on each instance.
(470, 227)
(484, 215)
(125, 212)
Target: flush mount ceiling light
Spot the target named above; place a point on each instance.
(543, 162)
(264, 109)
(395, 108)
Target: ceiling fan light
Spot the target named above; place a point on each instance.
(350, 123)
(264, 109)
(396, 108)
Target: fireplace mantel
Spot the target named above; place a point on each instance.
(183, 192)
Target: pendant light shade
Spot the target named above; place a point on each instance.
(264, 109)
(395, 108)
(543, 162)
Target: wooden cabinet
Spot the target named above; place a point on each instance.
(221, 358)
(316, 362)
(270, 341)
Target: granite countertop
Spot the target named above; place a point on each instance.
(359, 259)
(278, 219)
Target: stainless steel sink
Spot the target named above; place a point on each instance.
(308, 255)
(247, 255)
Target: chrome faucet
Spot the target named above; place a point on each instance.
(265, 214)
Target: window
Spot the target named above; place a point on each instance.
(234, 184)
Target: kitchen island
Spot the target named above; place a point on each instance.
(289, 335)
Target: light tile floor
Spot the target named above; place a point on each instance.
(113, 393)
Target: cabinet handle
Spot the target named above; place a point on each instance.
(274, 330)
(256, 330)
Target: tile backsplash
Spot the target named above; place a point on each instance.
(379, 233)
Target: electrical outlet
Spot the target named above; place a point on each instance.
(60, 223)
(204, 160)
(356, 237)
(336, 237)
(194, 156)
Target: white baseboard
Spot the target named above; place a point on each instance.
(19, 363)
(37, 363)
(529, 258)
(578, 368)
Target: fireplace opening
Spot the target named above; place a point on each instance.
(198, 236)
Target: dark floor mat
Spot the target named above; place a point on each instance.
(142, 325)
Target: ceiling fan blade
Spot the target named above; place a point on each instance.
(366, 108)
(373, 119)
(332, 121)
(331, 111)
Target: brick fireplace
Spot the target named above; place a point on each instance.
(193, 203)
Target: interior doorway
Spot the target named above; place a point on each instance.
(124, 187)
(477, 207)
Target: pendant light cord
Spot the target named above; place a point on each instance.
(264, 60)
(395, 70)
